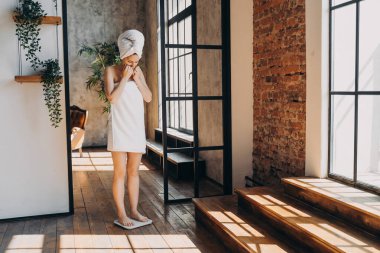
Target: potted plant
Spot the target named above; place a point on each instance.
(51, 76)
(28, 16)
(102, 55)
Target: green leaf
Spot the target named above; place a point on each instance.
(101, 56)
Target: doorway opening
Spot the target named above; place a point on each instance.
(186, 62)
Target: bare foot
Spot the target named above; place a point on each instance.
(138, 216)
(125, 221)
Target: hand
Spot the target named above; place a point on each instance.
(127, 71)
(137, 74)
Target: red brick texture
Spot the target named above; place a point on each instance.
(279, 90)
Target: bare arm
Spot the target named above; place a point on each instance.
(139, 78)
(113, 91)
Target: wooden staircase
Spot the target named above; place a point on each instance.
(181, 163)
(306, 215)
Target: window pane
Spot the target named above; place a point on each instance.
(188, 30)
(342, 141)
(170, 8)
(174, 7)
(182, 73)
(209, 22)
(181, 5)
(181, 32)
(211, 173)
(210, 123)
(188, 3)
(336, 2)
(209, 72)
(176, 114)
(369, 140)
(171, 51)
(189, 73)
(182, 114)
(171, 34)
(369, 60)
(175, 33)
(171, 77)
(171, 114)
(189, 115)
(343, 49)
(175, 77)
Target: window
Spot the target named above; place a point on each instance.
(180, 112)
(355, 91)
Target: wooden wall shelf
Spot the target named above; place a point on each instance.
(31, 79)
(48, 20)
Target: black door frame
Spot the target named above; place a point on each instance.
(67, 104)
(225, 98)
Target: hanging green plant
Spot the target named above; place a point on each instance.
(102, 55)
(51, 77)
(28, 17)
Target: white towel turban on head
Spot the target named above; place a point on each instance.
(130, 42)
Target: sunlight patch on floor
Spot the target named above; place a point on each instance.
(96, 161)
(87, 243)
(26, 242)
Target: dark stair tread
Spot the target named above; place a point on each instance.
(239, 231)
(178, 135)
(309, 225)
(176, 157)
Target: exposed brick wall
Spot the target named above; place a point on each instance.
(279, 89)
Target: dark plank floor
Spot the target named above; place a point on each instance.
(91, 228)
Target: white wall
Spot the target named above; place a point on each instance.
(33, 155)
(241, 89)
(316, 88)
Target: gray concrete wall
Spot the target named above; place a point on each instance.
(91, 21)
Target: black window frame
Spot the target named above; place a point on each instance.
(175, 20)
(356, 93)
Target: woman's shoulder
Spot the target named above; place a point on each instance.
(112, 68)
(112, 71)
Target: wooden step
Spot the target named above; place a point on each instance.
(175, 134)
(318, 231)
(351, 204)
(180, 166)
(238, 232)
(175, 158)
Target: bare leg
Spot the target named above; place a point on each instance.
(133, 182)
(118, 187)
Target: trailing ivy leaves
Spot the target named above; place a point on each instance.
(51, 76)
(102, 55)
(28, 17)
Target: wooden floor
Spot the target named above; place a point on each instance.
(91, 228)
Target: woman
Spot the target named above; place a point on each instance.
(127, 90)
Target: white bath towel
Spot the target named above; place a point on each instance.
(130, 42)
